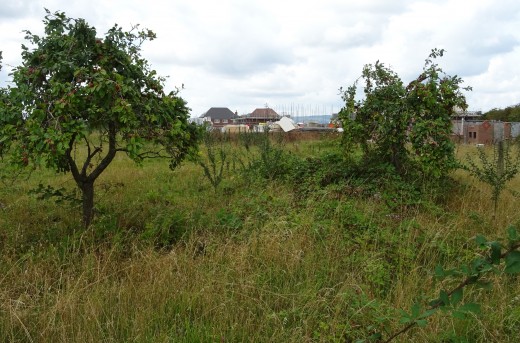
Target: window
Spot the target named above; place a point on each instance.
(217, 121)
(472, 134)
(225, 121)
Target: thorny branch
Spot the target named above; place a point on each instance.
(468, 281)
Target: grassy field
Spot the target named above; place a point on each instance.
(171, 259)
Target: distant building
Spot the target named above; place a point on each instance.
(466, 115)
(484, 131)
(259, 116)
(219, 116)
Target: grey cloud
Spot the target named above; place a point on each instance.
(469, 66)
(344, 38)
(494, 29)
(493, 45)
(245, 60)
(16, 9)
(228, 58)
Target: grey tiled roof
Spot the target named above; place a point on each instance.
(219, 113)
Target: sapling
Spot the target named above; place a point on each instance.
(496, 171)
(213, 165)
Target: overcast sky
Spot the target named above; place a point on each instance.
(243, 54)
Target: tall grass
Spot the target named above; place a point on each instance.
(168, 259)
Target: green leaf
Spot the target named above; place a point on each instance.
(427, 313)
(470, 307)
(445, 299)
(375, 337)
(465, 270)
(416, 310)
(512, 234)
(421, 323)
(439, 272)
(405, 318)
(458, 315)
(456, 297)
(513, 263)
(480, 240)
(478, 266)
(496, 251)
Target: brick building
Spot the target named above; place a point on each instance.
(483, 131)
(219, 116)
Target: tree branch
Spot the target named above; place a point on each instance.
(468, 281)
(90, 156)
(112, 150)
(72, 164)
(153, 154)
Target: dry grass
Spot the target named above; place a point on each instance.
(317, 270)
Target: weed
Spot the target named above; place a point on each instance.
(215, 162)
(495, 171)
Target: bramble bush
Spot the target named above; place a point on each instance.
(392, 116)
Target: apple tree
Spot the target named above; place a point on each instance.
(85, 98)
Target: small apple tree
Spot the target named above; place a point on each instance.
(404, 125)
(85, 98)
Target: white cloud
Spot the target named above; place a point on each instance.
(498, 85)
(244, 53)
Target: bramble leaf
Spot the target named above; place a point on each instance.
(416, 310)
(496, 251)
(513, 263)
(421, 323)
(427, 313)
(480, 240)
(512, 234)
(445, 299)
(458, 315)
(456, 297)
(470, 307)
(439, 272)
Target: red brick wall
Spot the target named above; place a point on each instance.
(479, 133)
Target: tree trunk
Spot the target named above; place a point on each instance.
(87, 189)
(86, 181)
(396, 160)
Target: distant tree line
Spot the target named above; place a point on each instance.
(510, 113)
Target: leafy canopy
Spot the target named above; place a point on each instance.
(73, 83)
(83, 98)
(404, 125)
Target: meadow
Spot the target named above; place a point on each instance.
(286, 247)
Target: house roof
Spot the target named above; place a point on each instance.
(264, 113)
(219, 113)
